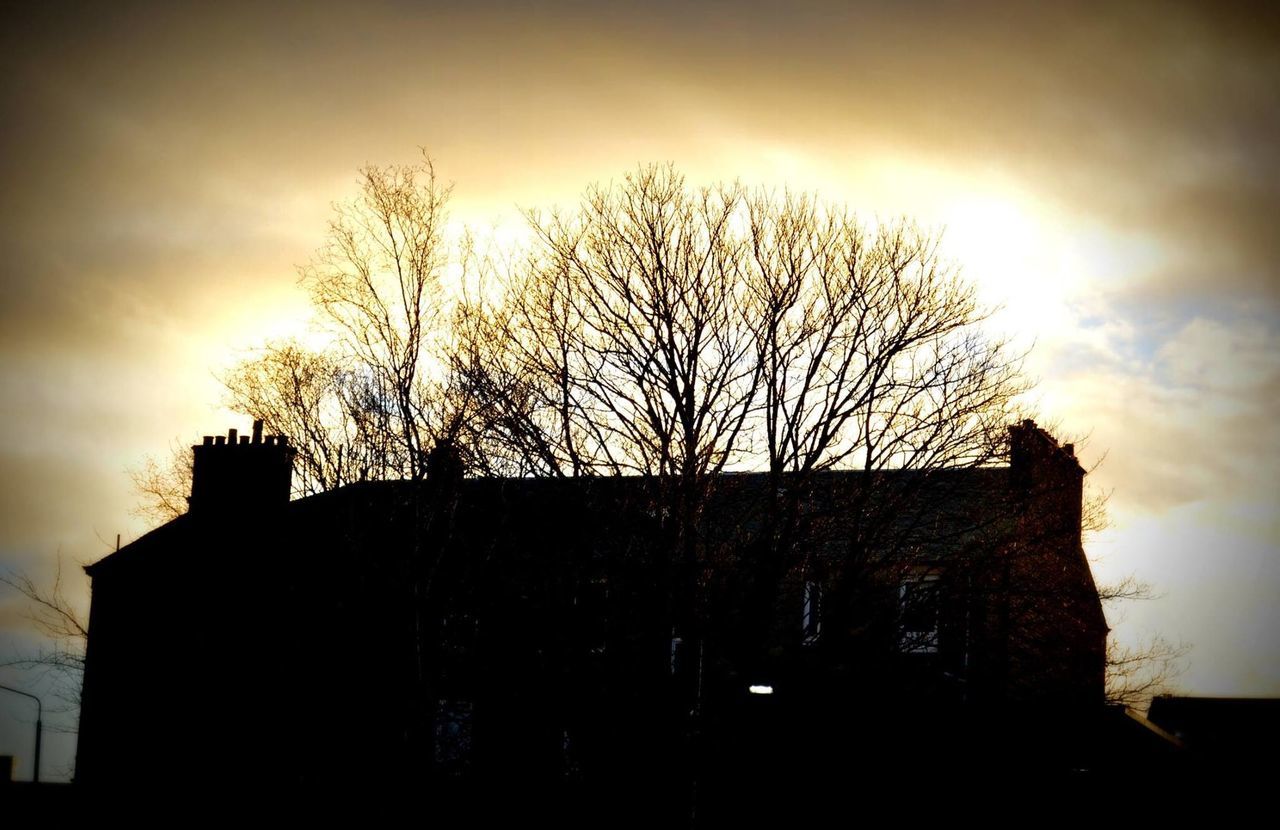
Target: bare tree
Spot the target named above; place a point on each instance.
(1138, 672)
(870, 345)
(681, 333)
(163, 485)
(60, 663)
(373, 403)
(335, 412)
(1134, 673)
(625, 332)
(378, 282)
(872, 356)
(630, 318)
(391, 382)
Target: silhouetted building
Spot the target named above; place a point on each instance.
(567, 638)
(1228, 739)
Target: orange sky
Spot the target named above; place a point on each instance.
(1104, 172)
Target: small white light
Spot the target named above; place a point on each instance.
(760, 690)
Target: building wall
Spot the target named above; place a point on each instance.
(529, 631)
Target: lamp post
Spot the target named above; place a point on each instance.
(39, 729)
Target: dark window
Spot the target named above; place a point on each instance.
(453, 737)
(592, 611)
(918, 614)
(458, 633)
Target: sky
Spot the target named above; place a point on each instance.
(1105, 173)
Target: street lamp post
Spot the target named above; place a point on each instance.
(39, 728)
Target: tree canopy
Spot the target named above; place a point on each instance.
(656, 329)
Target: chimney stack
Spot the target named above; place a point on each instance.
(1032, 450)
(1048, 475)
(233, 474)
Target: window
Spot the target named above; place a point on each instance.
(592, 606)
(919, 610)
(453, 736)
(811, 612)
(458, 633)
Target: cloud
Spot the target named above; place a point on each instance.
(1188, 422)
(1191, 422)
(1224, 360)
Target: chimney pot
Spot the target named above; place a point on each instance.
(221, 439)
(231, 435)
(208, 441)
(244, 439)
(257, 431)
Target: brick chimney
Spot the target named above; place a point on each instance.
(236, 474)
(1031, 448)
(1049, 474)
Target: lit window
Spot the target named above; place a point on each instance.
(811, 612)
(918, 614)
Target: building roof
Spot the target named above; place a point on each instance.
(934, 512)
(1241, 727)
